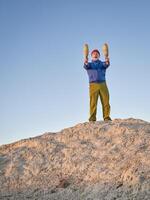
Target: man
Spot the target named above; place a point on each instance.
(96, 70)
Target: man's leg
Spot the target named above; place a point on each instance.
(104, 95)
(94, 93)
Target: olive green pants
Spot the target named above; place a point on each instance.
(96, 90)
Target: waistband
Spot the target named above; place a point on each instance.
(98, 82)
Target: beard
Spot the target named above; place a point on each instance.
(95, 58)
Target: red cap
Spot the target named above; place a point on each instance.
(95, 50)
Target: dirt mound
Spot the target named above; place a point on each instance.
(92, 160)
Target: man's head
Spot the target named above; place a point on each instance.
(95, 54)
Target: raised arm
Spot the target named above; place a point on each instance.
(86, 64)
(106, 64)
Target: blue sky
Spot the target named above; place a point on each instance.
(43, 85)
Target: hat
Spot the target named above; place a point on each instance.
(95, 50)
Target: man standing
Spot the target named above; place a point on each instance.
(96, 70)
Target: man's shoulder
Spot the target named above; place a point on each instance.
(101, 62)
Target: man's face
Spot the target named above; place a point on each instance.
(95, 55)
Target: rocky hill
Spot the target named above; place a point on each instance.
(92, 161)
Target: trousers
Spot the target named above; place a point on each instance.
(99, 90)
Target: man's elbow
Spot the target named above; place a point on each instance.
(107, 64)
(86, 66)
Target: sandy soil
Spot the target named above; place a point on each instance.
(91, 161)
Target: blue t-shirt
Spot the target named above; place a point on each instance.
(96, 71)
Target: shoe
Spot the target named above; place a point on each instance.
(107, 119)
(92, 120)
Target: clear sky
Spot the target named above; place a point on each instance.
(43, 85)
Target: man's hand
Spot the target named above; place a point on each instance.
(107, 61)
(86, 61)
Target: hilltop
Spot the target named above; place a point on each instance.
(92, 160)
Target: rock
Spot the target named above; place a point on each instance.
(92, 160)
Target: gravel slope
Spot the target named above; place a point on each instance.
(92, 160)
